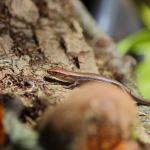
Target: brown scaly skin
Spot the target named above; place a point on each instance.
(76, 78)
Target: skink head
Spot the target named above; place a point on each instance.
(56, 71)
(60, 74)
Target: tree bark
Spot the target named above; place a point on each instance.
(38, 34)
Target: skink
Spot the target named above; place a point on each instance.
(76, 78)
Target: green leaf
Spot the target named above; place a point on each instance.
(142, 49)
(145, 15)
(128, 43)
(143, 77)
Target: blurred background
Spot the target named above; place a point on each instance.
(128, 23)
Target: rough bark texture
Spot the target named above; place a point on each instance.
(38, 34)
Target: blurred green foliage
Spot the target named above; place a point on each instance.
(145, 15)
(139, 44)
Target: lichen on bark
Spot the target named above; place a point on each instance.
(38, 34)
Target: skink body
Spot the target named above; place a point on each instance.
(76, 78)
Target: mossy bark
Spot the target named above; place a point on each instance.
(38, 34)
